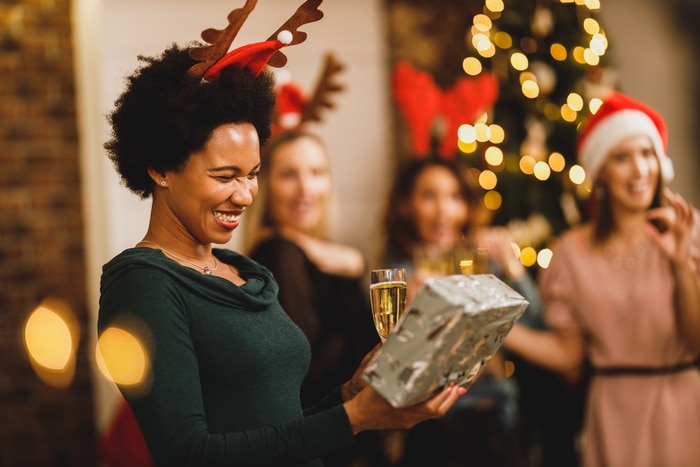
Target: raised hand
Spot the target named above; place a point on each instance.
(677, 220)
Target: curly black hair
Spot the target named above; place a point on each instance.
(165, 115)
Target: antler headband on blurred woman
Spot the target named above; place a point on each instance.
(294, 109)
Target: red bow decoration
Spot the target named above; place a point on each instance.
(421, 102)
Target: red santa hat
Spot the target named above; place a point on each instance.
(252, 56)
(291, 103)
(620, 117)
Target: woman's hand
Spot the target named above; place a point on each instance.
(675, 241)
(369, 411)
(498, 242)
(677, 219)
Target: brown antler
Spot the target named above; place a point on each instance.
(308, 12)
(324, 88)
(220, 40)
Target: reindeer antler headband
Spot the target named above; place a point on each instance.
(294, 109)
(213, 58)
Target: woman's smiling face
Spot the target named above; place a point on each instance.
(217, 184)
(299, 185)
(630, 174)
(438, 209)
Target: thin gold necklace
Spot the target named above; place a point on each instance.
(205, 269)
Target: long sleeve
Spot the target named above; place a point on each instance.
(332, 311)
(226, 364)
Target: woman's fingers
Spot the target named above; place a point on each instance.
(439, 404)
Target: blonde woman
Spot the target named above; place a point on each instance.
(322, 284)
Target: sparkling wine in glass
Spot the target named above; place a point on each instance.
(388, 296)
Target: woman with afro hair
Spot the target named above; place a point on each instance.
(224, 361)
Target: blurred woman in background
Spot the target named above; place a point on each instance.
(622, 293)
(322, 284)
(430, 232)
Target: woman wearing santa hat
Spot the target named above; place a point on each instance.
(622, 294)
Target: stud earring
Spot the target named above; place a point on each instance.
(163, 183)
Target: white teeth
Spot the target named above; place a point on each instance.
(225, 217)
(639, 186)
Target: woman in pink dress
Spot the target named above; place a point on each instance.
(623, 294)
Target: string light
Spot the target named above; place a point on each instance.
(521, 61)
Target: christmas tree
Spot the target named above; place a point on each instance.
(530, 72)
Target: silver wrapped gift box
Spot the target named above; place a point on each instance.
(449, 332)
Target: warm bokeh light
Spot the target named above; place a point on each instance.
(578, 55)
(498, 135)
(503, 40)
(493, 200)
(594, 105)
(493, 156)
(482, 22)
(590, 57)
(488, 180)
(558, 52)
(542, 171)
(568, 114)
(544, 257)
(489, 52)
(48, 339)
(519, 61)
(481, 42)
(557, 162)
(575, 101)
(122, 357)
(482, 132)
(508, 368)
(466, 148)
(576, 174)
(528, 256)
(527, 76)
(530, 89)
(591, 26)
(466, 133)
(472, 66)
(51, 336)
(495, 6)
(598, 44)
(527, 164)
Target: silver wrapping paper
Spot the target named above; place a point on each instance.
(449, 332)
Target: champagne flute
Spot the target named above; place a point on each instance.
(388, 297)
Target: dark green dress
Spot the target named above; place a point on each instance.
(227, 365)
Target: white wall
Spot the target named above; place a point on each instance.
(657, 64)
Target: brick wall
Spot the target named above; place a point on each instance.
(41, 238)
